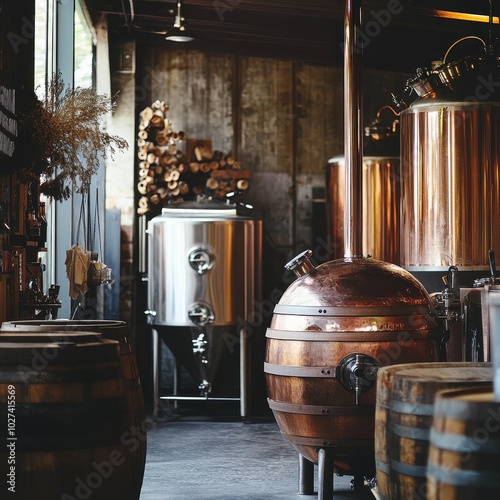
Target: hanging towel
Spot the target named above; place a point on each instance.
(77, 266)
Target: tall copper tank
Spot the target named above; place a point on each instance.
(450, 154)
(379, 196)
(450, 189)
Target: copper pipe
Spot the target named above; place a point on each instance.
(353, 131)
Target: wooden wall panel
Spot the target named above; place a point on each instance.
(266, 110)
(282, 119)
(266, 148)
(198, 87)
(320, 120)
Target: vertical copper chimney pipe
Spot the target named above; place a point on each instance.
(353, 131)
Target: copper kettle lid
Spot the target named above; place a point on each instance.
(363, 282)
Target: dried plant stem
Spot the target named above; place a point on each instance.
(65, 138)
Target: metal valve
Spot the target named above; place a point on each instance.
(301, 265)
(200, 260)
(199, 347)
(151, 315)
(358, 373)
(201, 314)
(205, 388)
(447, 302)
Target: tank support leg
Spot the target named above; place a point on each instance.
(243, 372)
(306, 476)
(156, 372)
(325, 474)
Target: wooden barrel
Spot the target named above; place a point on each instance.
(112, 330)
(464, 450)
(403, 418)
(385, 377)
(63, 405)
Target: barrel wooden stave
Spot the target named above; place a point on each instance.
(385, 378)
(464, 449)
(403, 416)
(112, 330)
(71, 416)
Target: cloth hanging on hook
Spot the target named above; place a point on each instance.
(77, 267)
(78, 260)
(83, 267)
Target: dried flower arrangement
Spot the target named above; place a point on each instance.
(62, 138)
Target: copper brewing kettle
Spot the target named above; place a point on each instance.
(338, 322)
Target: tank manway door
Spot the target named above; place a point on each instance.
(201, 314)
(200, 260)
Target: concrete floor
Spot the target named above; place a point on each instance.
(200, 458)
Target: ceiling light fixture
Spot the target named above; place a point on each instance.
(462, 16)
(179, 32)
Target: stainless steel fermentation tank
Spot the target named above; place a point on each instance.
(204, 267)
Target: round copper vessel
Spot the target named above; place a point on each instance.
(331, 331)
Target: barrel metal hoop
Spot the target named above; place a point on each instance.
(384, 336)
(351, 446)
(420, 409)
(459, 477)
(479, 445)
(382, 466)
(454, 408)
(409, 469)
(351, 311)
(410, 432)
(301, 371)
(348, 411)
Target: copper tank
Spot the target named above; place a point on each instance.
(331, 331)
(379, 197)
(450, 189)
(450, 159)
(337, 323)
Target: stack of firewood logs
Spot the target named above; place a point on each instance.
(168, 174)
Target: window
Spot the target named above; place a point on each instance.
(84, 49)
(45, 46)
